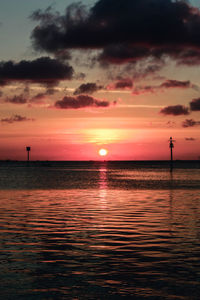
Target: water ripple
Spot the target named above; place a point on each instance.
(100, 243)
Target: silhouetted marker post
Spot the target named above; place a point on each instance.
(171, 146)
(28, 149)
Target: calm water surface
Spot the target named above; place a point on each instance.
(99, 231)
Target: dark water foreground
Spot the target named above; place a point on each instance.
(99, 231)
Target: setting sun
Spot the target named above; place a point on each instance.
(103, 152)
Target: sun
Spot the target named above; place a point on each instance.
(103, 152)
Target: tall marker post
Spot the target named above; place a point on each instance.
(28, 149)
(171, 146)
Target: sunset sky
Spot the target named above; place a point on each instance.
(123, 75)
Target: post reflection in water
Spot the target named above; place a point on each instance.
(103, 183)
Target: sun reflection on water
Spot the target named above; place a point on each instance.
(103, 182)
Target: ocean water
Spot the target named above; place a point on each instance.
(99, 230)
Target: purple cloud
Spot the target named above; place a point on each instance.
(87, 88)
(175, 110)
(81, 101)
(195, 105)
(176, 84)
(122, 84)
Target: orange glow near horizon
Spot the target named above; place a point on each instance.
(103, 135)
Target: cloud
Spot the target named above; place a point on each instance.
(138, 90)
(175, 110)
(176, 84)
(190, 139)
(171, 124)
(81, 101)
(167, 84)
(2, 82)
(80, 76)
(87, 88)
(15, 118)
(50, 91)
(122, 84)
(181, 55)
(119, 54)
(27, 98)
(17, 99)
(190, 123)
(44, 70)
(63, 55)
(163, 28)
(195, 104)
(38, 98)
(135, 71)
(147, 69)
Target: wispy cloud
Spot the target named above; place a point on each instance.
(190, 139)
(17, 99)
(190, 123)
(167, 84)
(15, 118)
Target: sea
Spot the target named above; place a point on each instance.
(99, 230)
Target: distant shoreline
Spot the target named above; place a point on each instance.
(97, 164)
(88, 161)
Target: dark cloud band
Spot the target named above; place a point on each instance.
(44, 70)
(124, 30)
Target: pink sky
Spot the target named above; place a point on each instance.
(69, 99)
